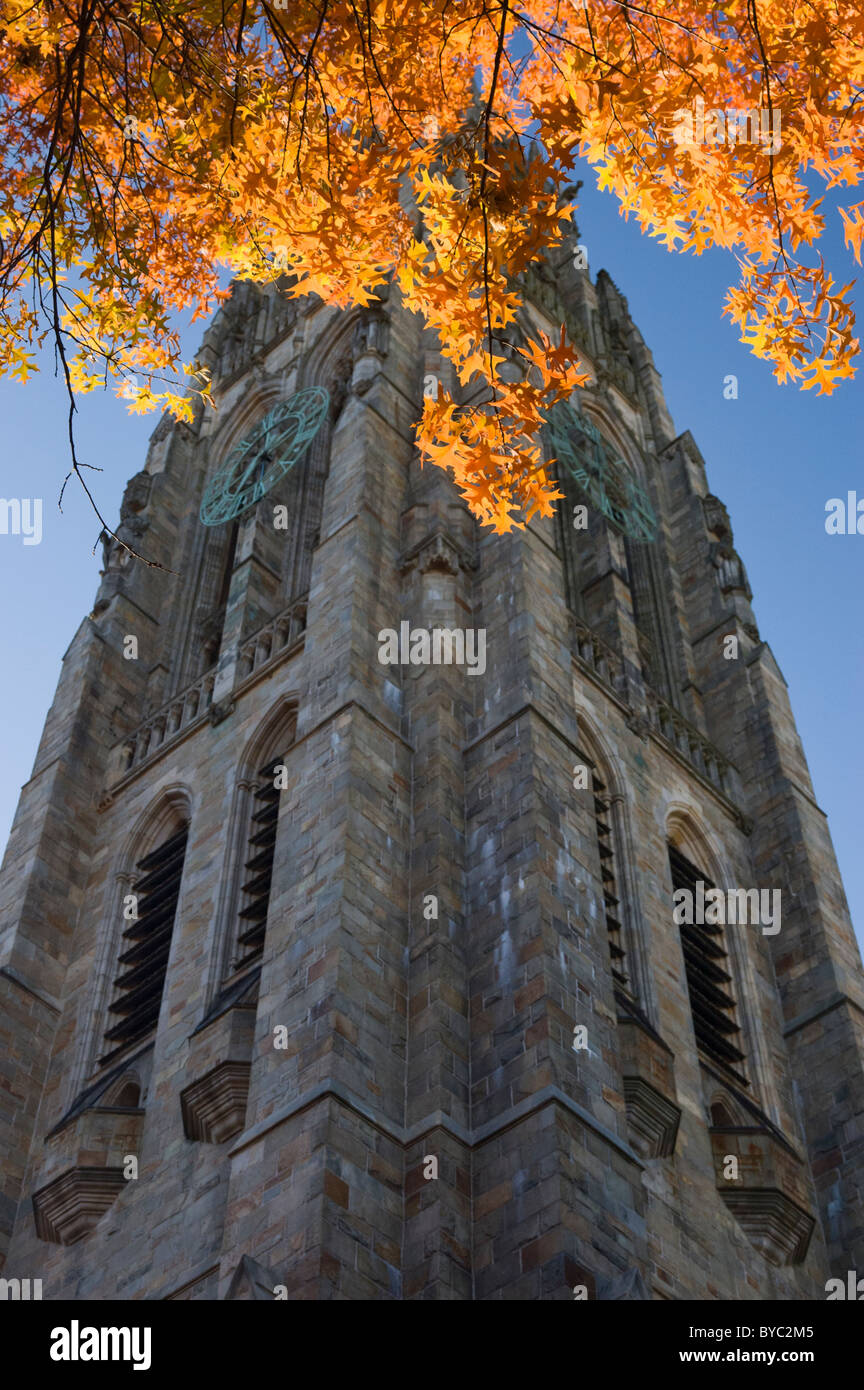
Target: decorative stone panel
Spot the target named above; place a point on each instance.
(90, 1153)
(649, 1089)
(214, 1108)
(70, 1206)
(769, 1197)
(220, 1051)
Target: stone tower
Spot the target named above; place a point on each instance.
(355, 978)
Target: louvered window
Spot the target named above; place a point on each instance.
(611, 900)
(258, 867)
(708, 979)
(146, 946)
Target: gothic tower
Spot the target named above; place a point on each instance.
(363, 978)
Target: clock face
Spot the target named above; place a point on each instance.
(260, 460)
(602, 476)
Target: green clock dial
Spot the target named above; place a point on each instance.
(602, 476)
(256, 463)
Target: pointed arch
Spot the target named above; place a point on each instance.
(278, 726)
(172, 806)
(332, 347)
(284, 551)
(612, 821)
(328, 363)
(282, 540)
(725, 1110)
(639, 562)
(126, 1092)
(261, 393)
(684, 830)
(154, 872)
(245, 886)
(168, 813)
(711, 969)
(588, 551)
(612, 430)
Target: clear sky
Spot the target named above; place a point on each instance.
(775, 456)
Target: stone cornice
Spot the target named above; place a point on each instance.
(406, 1135)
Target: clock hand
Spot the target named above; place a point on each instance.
(263, 454)
(247, 472)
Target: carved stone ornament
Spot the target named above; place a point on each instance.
(647, 1068)
(717, 516)
(70, 1206)
(436, 553)
(638, 725)
(215, 1106)
(372, 332)
(136, 495)
(220, 710)
(765, 1190)
(731, 574)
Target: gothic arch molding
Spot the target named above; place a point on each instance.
(169, 808)
(634, 926)
(172, 805)
(126, 1091)
(300, 492)
(261, 394)
(277, 727)
(685, 829)
(600, 415)
(332, 346)
(725, 1110)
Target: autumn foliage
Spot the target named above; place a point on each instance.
(148, 146)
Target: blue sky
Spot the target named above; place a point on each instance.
(775, 456)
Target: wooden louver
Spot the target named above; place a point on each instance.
(705, 962)
(611, 902)
(146, 945)
(259, 865)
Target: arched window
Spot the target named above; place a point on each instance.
(721, 1115)
(212, 622)
(258, 866)
(650, 615)
(707, 969)
(611, 893)
(618, 878)
(619, 537)
(146, 944)
(123, 1095)
(303, 488)
(282, 530)
(202, 623)
(244, 905)
(592, 474)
